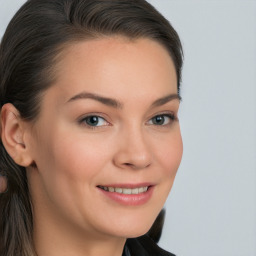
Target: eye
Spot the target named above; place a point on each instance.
(94, 121)
(161, 120)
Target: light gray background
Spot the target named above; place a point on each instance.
(212, 208)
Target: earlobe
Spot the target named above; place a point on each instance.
(12, 135)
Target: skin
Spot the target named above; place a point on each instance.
(3, 185)
(70, 158)
(3, 182)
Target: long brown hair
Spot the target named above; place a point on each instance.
(29, 50)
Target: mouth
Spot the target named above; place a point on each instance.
(128, 194)
(126, 191)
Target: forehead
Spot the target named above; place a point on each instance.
(116, 65)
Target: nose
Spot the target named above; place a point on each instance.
(133, 151)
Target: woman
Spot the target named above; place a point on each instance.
(90, 138)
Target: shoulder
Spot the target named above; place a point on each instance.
(145, 246)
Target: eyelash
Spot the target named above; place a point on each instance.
(171, 116)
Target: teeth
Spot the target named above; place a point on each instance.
(126, 191)
(110, 189)
(118, 190)
(141, 190)
(135, 191)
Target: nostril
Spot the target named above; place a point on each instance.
(136, 166)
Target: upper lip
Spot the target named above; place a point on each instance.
(128, 185)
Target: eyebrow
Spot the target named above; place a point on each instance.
(166, 99)
(117, 104)
(104, 100)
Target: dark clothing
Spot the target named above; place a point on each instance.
(143, 246)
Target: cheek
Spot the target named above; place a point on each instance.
(69, 168)
(79, 158)
(170, 154)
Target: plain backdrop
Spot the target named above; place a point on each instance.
(211, 210)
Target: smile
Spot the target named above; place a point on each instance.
(126, 191)
(128, 194)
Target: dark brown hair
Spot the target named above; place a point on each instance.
(29, 50)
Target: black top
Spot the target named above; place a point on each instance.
(143, 246)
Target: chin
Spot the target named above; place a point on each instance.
(132, 228)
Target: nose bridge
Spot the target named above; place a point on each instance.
(133, 150)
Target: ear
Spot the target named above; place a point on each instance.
(13, 130)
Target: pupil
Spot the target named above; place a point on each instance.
(159, 120)
(93, 120)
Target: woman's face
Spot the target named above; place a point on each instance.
(109, 123)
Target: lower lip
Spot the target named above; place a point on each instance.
(131, 199)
